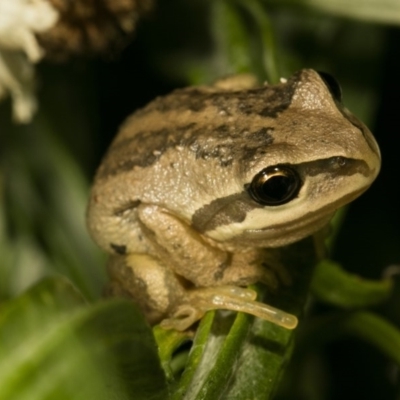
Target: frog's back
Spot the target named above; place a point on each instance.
(204, 130)
(189, 118)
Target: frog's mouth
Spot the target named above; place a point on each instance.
(285, 234)
(297, 229)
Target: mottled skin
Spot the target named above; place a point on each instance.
(171, 199)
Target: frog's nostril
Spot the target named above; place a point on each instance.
(338, 162)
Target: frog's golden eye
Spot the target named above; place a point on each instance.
(275, 185)
(332, 84)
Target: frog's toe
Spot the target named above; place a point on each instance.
(240, 299)
(183, 318)
(232, 298)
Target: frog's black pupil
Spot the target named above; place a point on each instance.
(275, 185)
(277, 188)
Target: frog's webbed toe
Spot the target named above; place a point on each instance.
(183, 318)
(225, 298)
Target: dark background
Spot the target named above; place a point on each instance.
(86, 100)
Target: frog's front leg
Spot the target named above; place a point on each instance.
(190, 256)
(205, 277)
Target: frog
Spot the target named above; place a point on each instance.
(201, 188)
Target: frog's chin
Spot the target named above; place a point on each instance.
(283, 235)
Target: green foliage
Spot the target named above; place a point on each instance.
(55, 346)
(61, 341)
(333, 285)
(239, 357)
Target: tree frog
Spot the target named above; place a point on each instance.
(201, 186)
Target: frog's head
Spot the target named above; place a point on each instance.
(318, 158)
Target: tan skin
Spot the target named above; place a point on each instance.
(201, 186)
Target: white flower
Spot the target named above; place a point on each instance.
(19, 50)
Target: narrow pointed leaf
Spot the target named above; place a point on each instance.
(241, 357)
(335, 286)
(364, 325)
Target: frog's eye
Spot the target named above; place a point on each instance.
(332, 84)
(275, 185)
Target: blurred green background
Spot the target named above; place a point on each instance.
(46, 167)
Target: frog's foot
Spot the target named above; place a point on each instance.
(225, 298)
(183, 318)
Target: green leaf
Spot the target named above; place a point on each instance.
(382, 11)
(374, 330)
(361, 324)
(46, 206)
(241, 357)
(237, 45)
(232, 40)
(55, 346)
(266, 34)
(167, 342)
(196, 355)
(333, 285)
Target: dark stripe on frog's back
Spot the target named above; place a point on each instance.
(145, 147)
(276, 99)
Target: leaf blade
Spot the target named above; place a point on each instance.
(63, 348)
